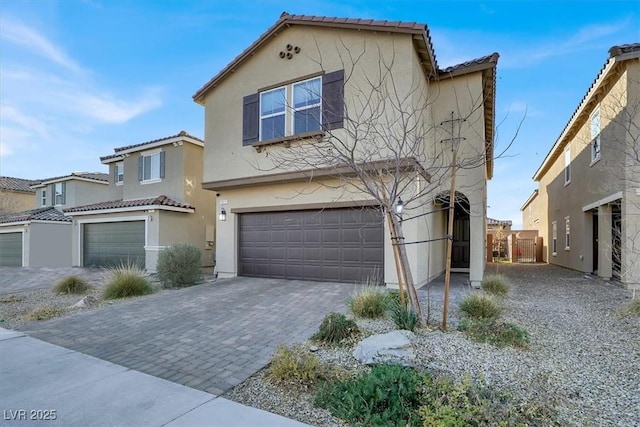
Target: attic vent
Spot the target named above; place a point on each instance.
(289, 51)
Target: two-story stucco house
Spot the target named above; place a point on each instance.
(587, 205)
(157, 200)
(41, 237)
(309, 80)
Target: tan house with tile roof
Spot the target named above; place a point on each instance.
(303, 83)
(587, 205)
(16, 194)
(77, 188)
(157, 200)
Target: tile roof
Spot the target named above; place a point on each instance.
(40, 214)
(623, 48)
(119, 204)
(118, 150)
(287, 19)
(491, 221)
(19, 185)
(94, 176)
(489, 60)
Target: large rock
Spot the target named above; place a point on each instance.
(87, 301)
(393, 347)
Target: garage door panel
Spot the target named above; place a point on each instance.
(11, 249)
(114, 243)
(329, 245)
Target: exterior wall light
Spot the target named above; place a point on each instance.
(222, 216)
(399, 206)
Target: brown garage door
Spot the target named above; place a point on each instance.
(338, 245)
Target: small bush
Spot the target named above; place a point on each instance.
(480, 306)
(294, 365)
(44, 313)
(335, 328)
(179, 266)
(632, 309)
(389, 395)
(369, 302)
(500, 334)
(496, 284)
(127, 281)
(71, 285)
(403, 316)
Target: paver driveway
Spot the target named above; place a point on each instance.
(210, 337)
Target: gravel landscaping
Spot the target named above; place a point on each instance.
(580, 369)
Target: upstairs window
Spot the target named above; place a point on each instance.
(292, 109)
(567, 234)
(59, 191)
(595, 135)
(118, 173)
(151, 167)
(554, 238)
(44, 197)
(567, 166)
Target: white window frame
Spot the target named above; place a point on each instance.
(595, 146)
(567, 234)
(554, 238)
(290, 110)
(567, 166)
(119, 173)
(60, 194)
(43, 199)
(151, 179)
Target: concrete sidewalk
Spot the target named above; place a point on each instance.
(43, 384)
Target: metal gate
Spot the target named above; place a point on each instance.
(525, 250)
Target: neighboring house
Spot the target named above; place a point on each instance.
(495, 225)
(532, 211)
(587, 206)
(16, 194)
(38, 237)
(78, 188)
(301, 80)
(158, 201)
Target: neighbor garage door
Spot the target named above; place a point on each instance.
(109, 244)
(339, 245)
(11, 249)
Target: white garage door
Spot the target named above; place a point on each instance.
(110, 244)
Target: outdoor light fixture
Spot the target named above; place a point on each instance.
(399, 206)
(222, 216)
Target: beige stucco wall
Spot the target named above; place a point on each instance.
(78, 193)
(172, 185)
(13, 201)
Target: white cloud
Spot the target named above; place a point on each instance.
(105, 108)
(522, 108)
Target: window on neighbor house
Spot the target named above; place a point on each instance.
(294, 109)
(554, 239)
(567, 166)
(44, 197)
(151, 166)
(595, 135)
(567, 234)
(59, 191)
(118, 173)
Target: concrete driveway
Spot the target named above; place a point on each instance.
(210, 337)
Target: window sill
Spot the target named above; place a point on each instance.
(566, 183)
(120, 183)
(287, 140)
(594, 161)
(567, 248)
(151, 181)
(554, 254)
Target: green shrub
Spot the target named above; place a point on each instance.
(179, 266)
(403, 316)
(127, 281)
(480, 306)
(494, 332)
(44, 313)
(632, 309)
(496, 284)
(369, 302)
(389, 395)
(335, 328)
(71, 285)
(294, 365)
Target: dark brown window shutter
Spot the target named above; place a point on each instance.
(333, 100)
(250, 119)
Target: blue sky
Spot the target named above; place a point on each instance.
(78, 78)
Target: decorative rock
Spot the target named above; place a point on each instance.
(87, 301)
(393, 347)
(314, 348)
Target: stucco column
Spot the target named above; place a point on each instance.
(477, 250)
(604, 242)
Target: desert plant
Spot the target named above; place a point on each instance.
(494, 332)
(71, 285)
(127, 280)
(369, 302)
(44, 312)
(388, 395)
(179, 266)
(403, 316)
(631, 309)
(480, 306)
(294, 365)
(496, 284)
(335, 328)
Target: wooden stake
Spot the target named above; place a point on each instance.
(447, 275)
